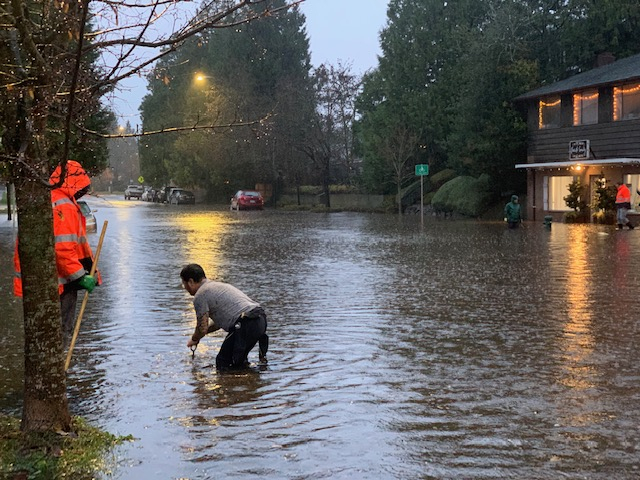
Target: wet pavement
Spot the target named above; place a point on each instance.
(459, 351)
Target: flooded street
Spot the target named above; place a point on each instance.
(459, 351)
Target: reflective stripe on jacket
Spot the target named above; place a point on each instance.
(69, 230)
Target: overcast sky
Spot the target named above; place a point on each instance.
(345, 30)
(338, 30)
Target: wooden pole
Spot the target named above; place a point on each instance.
(76, 330)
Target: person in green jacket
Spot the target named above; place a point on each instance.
(512, 213)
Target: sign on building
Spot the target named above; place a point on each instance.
(579, 150)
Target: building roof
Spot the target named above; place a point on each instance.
(587, 163)
(616, 72)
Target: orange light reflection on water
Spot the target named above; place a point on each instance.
(578, 339)
(577, 342)
(202, 233)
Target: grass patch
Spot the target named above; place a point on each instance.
(52, 456)
(290, 207)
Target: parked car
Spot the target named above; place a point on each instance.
(133, 191)
(247, 199)
(92, 225)
(179, 196)
(162, 195)
(147, 195)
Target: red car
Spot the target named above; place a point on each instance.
(246, 199)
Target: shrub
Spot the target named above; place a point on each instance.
(343, 189)
(465, 195)
(574, 199)
(442, 177)
(575, 216)
(605, 217)
(604, 198)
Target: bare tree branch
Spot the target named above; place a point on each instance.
(191, 128)
(173, 42)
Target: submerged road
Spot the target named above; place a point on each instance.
(459, 351)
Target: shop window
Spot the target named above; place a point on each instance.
(549, 112)
(633, 182)
(585, 107)
(554, 191)
(626, 102)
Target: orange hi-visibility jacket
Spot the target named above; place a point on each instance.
(623, 194)
(73, 253)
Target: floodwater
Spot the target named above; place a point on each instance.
(457, 350)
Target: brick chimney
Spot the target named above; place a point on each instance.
(604, 58)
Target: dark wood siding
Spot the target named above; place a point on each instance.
(605, 105)
(608, 140)
(566, 110)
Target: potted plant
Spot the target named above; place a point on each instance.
(574, 201)
(604, 203)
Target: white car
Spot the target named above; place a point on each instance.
(148, 194)
(133, 191)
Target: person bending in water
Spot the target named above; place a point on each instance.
(220, 305)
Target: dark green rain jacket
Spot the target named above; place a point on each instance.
(512, 210)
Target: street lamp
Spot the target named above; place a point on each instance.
(201, 89)
(200, 79)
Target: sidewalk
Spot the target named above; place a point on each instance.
(3, 217)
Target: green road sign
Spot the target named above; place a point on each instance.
(140, 179)
(422, 170)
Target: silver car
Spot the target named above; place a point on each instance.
(92, 226)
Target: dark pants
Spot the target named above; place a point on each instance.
(240, 341)
(68, 301)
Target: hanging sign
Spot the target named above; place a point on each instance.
(579, 150)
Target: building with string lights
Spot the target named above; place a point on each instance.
(585, 128)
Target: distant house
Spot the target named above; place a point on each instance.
(585, 127)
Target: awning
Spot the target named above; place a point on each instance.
(585, 163)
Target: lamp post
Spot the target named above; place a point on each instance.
(201, 84)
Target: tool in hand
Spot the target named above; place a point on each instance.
(76, 330)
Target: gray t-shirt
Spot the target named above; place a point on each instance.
(223, 303)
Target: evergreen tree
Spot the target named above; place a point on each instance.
(450, 70)
(258, 70)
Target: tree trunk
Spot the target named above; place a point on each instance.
(326, 181)
(45, 399)
(9, 200)
(326, 190)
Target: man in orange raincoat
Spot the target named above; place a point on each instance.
(73, 253)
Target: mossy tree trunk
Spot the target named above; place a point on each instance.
(45, 400)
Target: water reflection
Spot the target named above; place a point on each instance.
(577, 342)
(461, 350)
